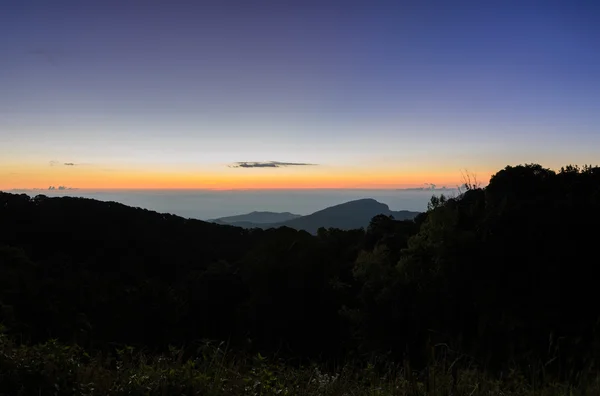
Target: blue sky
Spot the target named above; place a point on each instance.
(390, 92)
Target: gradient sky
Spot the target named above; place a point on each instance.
(172, 94)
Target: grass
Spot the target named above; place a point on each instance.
(55, 369)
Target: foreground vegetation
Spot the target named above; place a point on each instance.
(55, 369)
(490, 291)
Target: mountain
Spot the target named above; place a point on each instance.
(345, 216)
(256, 218)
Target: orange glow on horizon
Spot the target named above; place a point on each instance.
(231, 179)
(214, 183)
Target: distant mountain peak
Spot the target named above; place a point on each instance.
(348, 215)
(364, 201)
(257, 217)
(359, 204)
(259, 212)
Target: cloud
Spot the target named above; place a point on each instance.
(268, 164)
(60, 188)
(49, 55)
(426, 187)
(57, 163)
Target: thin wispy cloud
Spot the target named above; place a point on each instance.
(426, 187)
(49, 55)
(60, 188)
(58, 163)
(268, 164)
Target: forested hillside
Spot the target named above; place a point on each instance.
(498, 279)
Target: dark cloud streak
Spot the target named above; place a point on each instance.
(268, 164)
(56, 163)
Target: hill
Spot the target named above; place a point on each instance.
(495, 278)
(346, 216)
(256, 218)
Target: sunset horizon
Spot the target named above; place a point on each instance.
(330, 197)
(332, 94)
(150, 181)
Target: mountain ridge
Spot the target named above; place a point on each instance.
(347, 215)
(256, 217)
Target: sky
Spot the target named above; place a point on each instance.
(293, 94)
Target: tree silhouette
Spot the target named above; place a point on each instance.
(503, 274)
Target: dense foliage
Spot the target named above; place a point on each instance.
(497, 277)
(52, 368)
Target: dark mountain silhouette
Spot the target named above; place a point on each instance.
(256, 218)
(346, 216)
(496, 278)
(243, 224)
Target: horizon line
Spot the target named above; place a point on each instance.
(229, 189)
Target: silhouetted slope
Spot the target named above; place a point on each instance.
(83, 227)
(505, 275)
(256, 218)
(346, 216)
